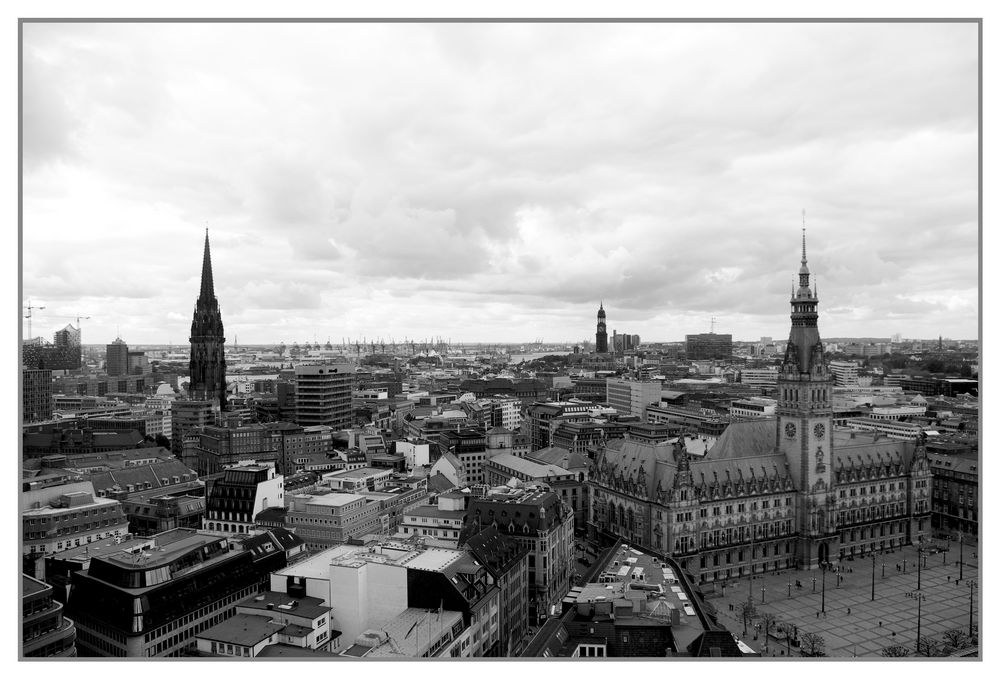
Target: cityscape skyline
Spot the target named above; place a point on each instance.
(471, 193)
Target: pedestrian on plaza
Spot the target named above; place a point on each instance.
(817, 614)
(848, 610)
(879, 623)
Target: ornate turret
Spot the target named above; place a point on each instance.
(208, 361)
(804, 352)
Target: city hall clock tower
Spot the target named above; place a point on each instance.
(805, 424)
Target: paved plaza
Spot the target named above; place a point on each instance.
(854, 625)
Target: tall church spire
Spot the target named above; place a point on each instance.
(207, 284)
(208, 360)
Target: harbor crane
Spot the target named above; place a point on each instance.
(30, 307)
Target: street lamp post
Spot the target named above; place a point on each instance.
(920, 598)
(873, 576)
(961, 555)
(972, 587)
(823, 601)
(920, 555)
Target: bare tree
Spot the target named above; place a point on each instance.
(928, 646)
(895, 651)
(747, 611)
(956, 638)
(812, 644)
(767, 621)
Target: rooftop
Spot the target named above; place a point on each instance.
(412, 632)
(356, 474)
(333, 499)
(434, 559)
(528, 467)
(306, 607)
(166, 547)
(103, 547)
(243, 629)
(30, 585)
(431, 511)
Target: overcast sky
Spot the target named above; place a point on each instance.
(495, 182)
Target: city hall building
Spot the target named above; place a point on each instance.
(788, 492)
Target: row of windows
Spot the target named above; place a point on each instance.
(741, 507)
(69, 516)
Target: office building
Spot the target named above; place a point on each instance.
(153, 598)
(845, 373)
(65, 515)
(709, 346)
(185, 418)
(323, 395)
(36, 395)
(116, 358)
(631, 397)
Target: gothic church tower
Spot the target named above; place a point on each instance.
(208, 361)
(805, 423)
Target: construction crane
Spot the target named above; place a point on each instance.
(78, 318)
(30, 309)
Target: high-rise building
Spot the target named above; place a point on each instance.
(138, 364)
(117, 358)
(36, 395)
(323, 395)
(185, 417)
(709, 345)
(845, 373)
(602, 331)
(631, 397)
(208, 360)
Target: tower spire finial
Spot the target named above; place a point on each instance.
(803, 236)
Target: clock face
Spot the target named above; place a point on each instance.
(819, 430)
(790, 430)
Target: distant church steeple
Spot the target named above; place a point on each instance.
(208, 361)
(602, 330)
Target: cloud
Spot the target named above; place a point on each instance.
(496, 181)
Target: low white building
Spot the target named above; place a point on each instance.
(417, 452)
(439, 525)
